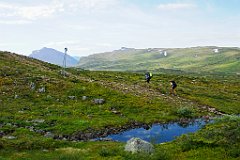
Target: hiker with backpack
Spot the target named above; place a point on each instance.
(173, 87)
(148, 76)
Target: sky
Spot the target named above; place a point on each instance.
(94, 26)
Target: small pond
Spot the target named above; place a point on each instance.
(159, 133)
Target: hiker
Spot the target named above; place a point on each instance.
(148, 76)
(174, 86)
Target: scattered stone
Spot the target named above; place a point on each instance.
(38, 120)
(31, 129)
(9, 137)
(72, 97)
(16, 96)
(26, 108)
(147, 127)
(49, 135)
(42, 90)
(32, 85)
(136, 145)
(84, 98)
(98, 101)
(39, 131)
(64, 73)
(9, 124)
(115, 112)
(49, 97)
(45, 150)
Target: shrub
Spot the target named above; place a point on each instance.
(104, 152)
(234, 151)
(185, 112)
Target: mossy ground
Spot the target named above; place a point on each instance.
(127, 93)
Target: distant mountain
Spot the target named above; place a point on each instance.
(196, 59)
(77, 58)
(53, 56)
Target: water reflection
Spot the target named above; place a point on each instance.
(159, 133)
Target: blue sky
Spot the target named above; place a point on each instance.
(93, 26)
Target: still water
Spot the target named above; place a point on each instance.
(159, 133)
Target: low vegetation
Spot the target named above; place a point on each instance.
(41, 110)
(197, 60)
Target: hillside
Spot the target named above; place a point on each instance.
(197, 60)
(45, 115)
(53, 56)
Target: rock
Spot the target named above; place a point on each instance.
(49, 97)
(39, 131)
(72, 97)
(31, 128)
(9, 124)
(98, 101)
(45, 150)
(26, 108)
(32, 85)
(42, 90)
(147, 127)
(84, 98)
(136, 145)
(9, 137)
(64, 73)
(115, 112)
(38, 120)
(49, 135)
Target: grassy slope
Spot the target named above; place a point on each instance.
(197, 59)
(65, 116)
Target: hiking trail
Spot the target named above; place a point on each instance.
(147, 91)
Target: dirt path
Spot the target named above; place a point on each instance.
(146, 91)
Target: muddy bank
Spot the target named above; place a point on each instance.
(91, 134)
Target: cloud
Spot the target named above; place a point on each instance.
(90, 4)
(44, 10)
(73, 45)
(60, 43)
(176, 6)
(80, 27)
(14, 22)
(30, 12)
(104, 44)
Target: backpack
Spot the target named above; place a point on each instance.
(150, 74)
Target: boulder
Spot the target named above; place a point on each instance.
(136, 145)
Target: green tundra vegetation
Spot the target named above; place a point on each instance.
(217, 60)
(37, 103)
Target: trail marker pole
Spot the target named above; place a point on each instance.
(65, 61)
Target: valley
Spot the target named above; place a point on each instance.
(45, 114)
